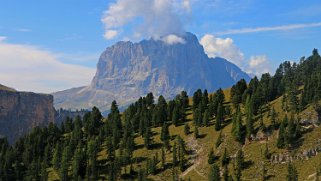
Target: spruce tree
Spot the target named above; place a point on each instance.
(163, 158)
(219, 140)
(147, 137)
(281, 141)
(63, 170)
(175, 116)
(239, 164)
(225, 158)
(214, 174)
(211, 157)
(249, 117)
(292, 173)
(56, 156)
(92, 160)
(273, 118)
(237, 133)
(186, 129)
(206, 118)
(165, 137)
(196, 133)
(219, 117)
(174, 154)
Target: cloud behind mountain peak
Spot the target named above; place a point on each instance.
(146, 18)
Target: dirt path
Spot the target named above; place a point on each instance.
(196, 158)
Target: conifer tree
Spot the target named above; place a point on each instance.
(92, 160)
(219, 117)
(165, 135)
(147, 137)
(237, 132)
(64, 164)
(175, 116)
(163, 158)
(225, 158)
(249, 117)
(186, 129)
(273, 118)
(214, 174)
(79, 163)
(219, 140)
(174, 154)
(281, 141)
(206, 118)
(211, 157)
(44, 173)
(56, 156)
(226, 176)
(292, 173)
(239, 164)
(196, 133)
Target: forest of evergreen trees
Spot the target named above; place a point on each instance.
(71, 148)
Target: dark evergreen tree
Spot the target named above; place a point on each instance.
(239, 164)
(281, 141)
(225, 158)
(214, 174)
(186, 129)
(219, 140)
(211, 157)
(219, 117)
(206, 118)
(292, 173)
(165, 137)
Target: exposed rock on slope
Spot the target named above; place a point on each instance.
(20, 111)
(128, 70)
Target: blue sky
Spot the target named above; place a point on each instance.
(69, 35)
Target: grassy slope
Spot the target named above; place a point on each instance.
(2, 87)
(252, 150)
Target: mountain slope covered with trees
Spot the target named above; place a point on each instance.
(265, 129)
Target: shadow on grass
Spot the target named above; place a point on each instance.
(248, 164)
(155, 146)
(139, 159)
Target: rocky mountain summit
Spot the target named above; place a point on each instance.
(162, 66)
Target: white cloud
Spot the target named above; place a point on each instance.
(2, 38)
(22, 29)
(28, 68)
(173, 39)
(225, 48)
(110, 34)
(272, 28)
(146, 17)
(258, 65)
(186, 5)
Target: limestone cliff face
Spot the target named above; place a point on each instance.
(21, 111)
(127, 70)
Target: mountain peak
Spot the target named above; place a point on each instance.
(164, 66)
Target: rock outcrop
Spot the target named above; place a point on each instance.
(127, 70)
(21, 111)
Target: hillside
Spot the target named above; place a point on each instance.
(265, 129)
(127, 70)
(2, 87)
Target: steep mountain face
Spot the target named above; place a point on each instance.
(21, 111)
(128, 70)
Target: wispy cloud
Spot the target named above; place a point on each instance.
(269, 28)
(30, 68)
(2, 38)
(22, 29)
